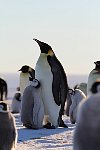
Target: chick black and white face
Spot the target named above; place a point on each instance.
(45, 48)
(3, 106)
(34, 82)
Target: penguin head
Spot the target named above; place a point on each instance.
(25, 69)
(95, 87)
(45, 48)
(97, 63)
(3, 106)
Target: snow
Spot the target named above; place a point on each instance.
(55, 139)
(42, 139)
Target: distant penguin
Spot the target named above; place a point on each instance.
(82, 86)
(86, 135)
(3, 89)
(32, 110)
(76, 96)
(52, 77)
(93, 76)
(26, 72)
(16, 101)
(8, 131)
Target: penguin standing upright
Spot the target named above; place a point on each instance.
(26, 72)
(8, 131)
(32, 110)
(52, 77)
(93, 76)
(16, 101)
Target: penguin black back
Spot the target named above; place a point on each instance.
(60, 86)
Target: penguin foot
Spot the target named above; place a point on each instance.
(49, 126)
(73, 122)
(61, 123)
(28, 126)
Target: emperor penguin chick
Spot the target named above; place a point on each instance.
(32, 111)
(16, 101)
(86, 135)
(8, 131)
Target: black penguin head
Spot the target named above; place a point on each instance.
(97, 63)
(95, 87)
(3, 106)
(45, 48)
(26, 69)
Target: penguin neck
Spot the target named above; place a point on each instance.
(24, 81)
(97, 69)
(43, 60)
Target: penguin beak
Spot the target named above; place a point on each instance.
(39, 42)
(19, 70)
(96, 63)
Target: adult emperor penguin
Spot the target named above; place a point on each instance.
(93, 76)
(52, 77)
(8, 131)
(26, 72)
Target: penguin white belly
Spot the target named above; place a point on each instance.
(44, 75)
(24, 81)
(91, 79)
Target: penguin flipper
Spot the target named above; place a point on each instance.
(59, 85)
(56, 88)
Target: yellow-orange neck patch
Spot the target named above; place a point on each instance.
(50, 52)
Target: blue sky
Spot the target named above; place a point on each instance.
(70, 27)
